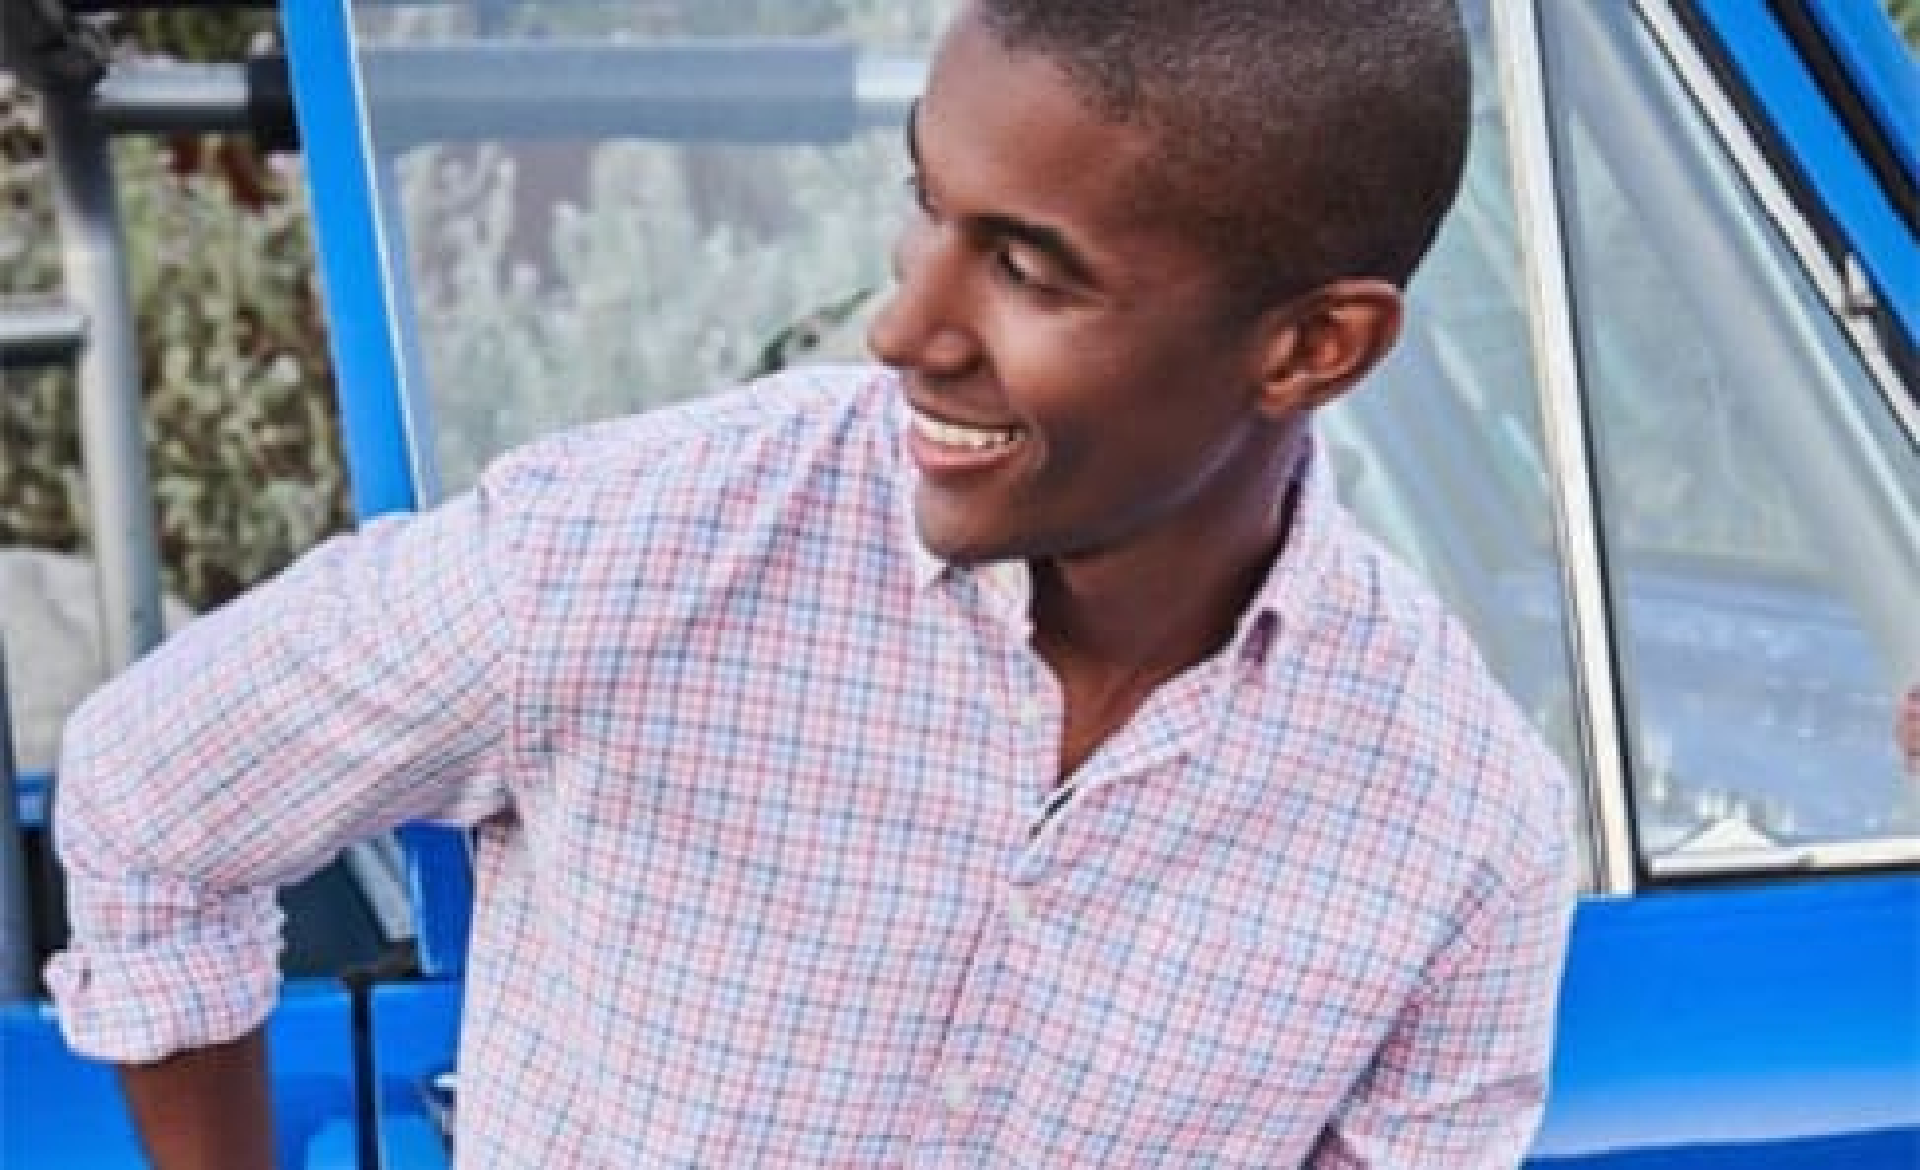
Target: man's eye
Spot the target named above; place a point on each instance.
(1011, 268)
(1023, 275)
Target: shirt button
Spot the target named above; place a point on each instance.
(1032, 712)
(1019, 911)
(956, 1089)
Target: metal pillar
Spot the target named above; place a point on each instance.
(16, 921)
(112, 436)
(33, 335)
(173, 99)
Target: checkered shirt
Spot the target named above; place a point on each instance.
(763, 867)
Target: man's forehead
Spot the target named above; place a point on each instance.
(1137, 175)
(1018, 114)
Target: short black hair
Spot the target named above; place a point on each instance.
(1310, 140)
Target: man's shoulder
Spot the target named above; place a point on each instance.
(727, 494)
(713, 437)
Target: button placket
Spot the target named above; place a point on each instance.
(960, 1095)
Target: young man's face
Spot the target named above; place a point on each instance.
(1079, 385)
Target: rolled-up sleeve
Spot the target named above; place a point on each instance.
(367, 686)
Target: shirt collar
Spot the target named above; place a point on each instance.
(1296, 581)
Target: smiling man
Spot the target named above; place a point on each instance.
(1013, 756)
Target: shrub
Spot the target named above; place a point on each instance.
(240, 425)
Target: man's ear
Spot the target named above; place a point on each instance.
(1319, 345)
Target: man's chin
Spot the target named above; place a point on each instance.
(958, 552)
(954, 539)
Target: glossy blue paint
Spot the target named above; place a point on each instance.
(1776, 1024)
(64, 1113)
(362, 326)
(1794, 106)
(1886, 1150)
(360, 319)
(32, 791)
(1882, 68)
(416, 1027)
(1740, 1019)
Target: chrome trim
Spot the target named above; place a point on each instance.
(885, 87)
(1569, 457)
(1879, 854)
(39, 334)
(1697, 77)
(381, 872)
(144, 98)
(411, 376)
(94, 267)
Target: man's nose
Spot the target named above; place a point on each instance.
(921, 326)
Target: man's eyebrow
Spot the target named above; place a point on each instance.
(1039, 237)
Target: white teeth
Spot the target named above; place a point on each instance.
(966, 438)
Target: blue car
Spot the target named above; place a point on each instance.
(1653, 432)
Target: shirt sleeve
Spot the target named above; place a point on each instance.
(365, 687)
(1461, 1080)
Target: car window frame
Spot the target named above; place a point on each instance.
(1622, 863)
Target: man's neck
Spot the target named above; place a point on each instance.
(1115, 629)
(1149, 612)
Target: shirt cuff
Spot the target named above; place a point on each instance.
(210, 979)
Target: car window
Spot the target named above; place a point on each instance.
(694, 179)
(1758, 497)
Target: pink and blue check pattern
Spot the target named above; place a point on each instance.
(763, 876)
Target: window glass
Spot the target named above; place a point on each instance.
(604, 208)
(1759, 501)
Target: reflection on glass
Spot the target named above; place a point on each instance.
(658, 216)
(1759, 502)
(556, 283)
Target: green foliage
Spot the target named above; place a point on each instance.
(242, 442)
(1906, 17)
(242, 439)
(557, 282)
(196, 35)
(659, 272)
(38, 418)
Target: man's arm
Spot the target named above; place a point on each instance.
(204, 1109)
(366, 687)
(1462, 1078)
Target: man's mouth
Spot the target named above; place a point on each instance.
(959, 441)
